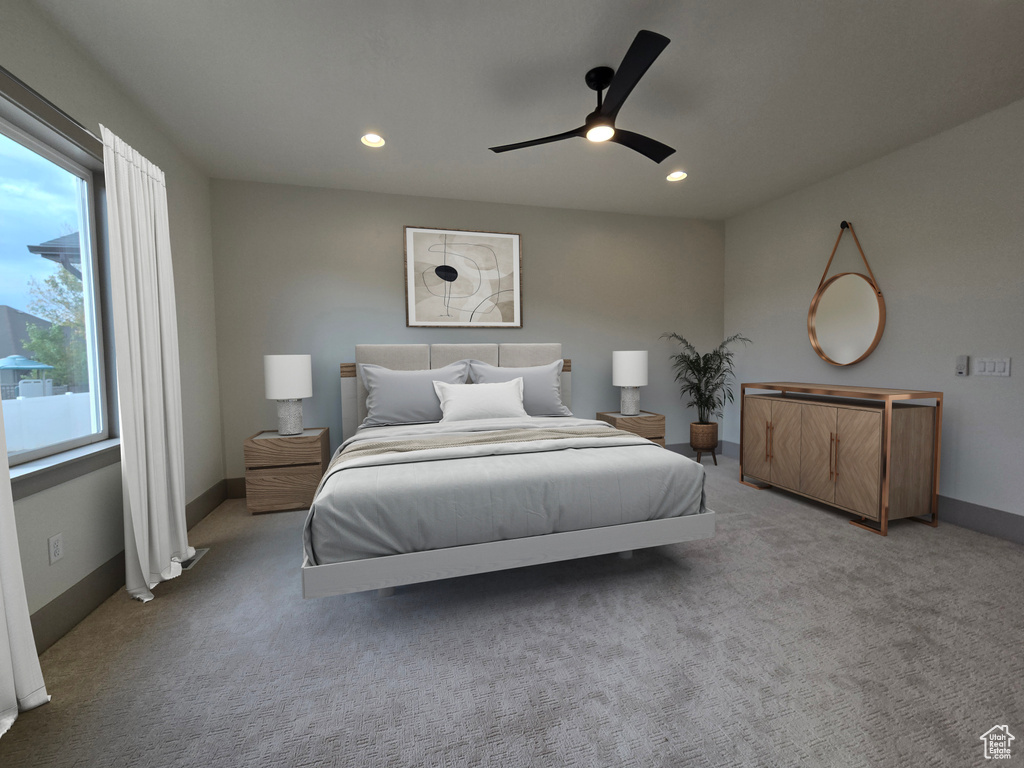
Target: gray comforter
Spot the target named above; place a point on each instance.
(374, 502)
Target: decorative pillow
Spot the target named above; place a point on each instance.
(406, 397)
(541, 385)
(462, 402)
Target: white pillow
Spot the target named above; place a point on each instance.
(462, 402)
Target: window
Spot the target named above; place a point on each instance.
(51, 360)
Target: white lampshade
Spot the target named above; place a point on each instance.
(288, 377)
(629, 369)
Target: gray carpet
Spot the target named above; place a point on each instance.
(790, 638)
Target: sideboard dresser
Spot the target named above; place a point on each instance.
(860, 449)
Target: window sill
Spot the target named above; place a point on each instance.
(35, 476)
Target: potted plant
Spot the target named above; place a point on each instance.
(706, 381)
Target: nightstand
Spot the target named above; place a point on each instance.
(283, 472)
(646, 424)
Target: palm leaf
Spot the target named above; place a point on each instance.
(705, 379)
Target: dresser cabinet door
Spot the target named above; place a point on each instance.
(784, 442)
(858, 459)
(757, 414)
(817, 440)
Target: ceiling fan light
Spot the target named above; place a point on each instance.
(676, 176)
(600, 132)
(373, 140)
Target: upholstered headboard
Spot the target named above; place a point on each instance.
(418, 357)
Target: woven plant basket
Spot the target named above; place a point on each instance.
(703, 437)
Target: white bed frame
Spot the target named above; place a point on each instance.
(386, 572)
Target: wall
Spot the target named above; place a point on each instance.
(32, 49)
(303, 270)
(941, 224)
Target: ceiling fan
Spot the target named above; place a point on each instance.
(600, 124)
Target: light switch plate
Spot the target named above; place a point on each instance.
(991, 366)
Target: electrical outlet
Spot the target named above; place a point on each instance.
(56, 547)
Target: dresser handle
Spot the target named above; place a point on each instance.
(771, 443)
(767, 429)
(831, 445)
(837, 456)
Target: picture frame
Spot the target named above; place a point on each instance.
(457, 278)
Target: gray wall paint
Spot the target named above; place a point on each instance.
(304, 270)
(90, 506)
(942, 225)
(87, 510)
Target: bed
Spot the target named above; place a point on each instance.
(405, 502)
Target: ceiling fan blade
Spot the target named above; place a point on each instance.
(581, 131)
(646, 47)
(650, 148)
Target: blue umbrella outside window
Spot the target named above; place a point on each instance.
(22, 363)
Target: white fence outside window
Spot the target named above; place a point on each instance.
(32, 422)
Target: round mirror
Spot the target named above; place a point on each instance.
(846, 318)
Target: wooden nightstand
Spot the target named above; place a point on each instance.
(647, 424)
(283, 472)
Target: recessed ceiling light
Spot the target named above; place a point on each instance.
(676, 176)
(373, 140)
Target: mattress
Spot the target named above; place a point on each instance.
(413, 488)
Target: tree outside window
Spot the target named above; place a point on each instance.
(58, 299)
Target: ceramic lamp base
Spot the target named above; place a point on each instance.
(289, 417)
(629, 401)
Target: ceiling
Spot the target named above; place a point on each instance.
(759, 98)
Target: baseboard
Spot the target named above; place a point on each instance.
(994, 522)
(205, 503)
(59, 616)
(235, 487)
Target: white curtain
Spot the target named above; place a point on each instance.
(21, 679)
(148, 376)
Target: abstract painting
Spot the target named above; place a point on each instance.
(460, 279)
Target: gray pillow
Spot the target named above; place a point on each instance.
(541, 385)
(406, 397)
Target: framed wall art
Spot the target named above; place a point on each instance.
(460, 279)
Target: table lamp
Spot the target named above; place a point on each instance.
(288, 379)
(629, 371)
